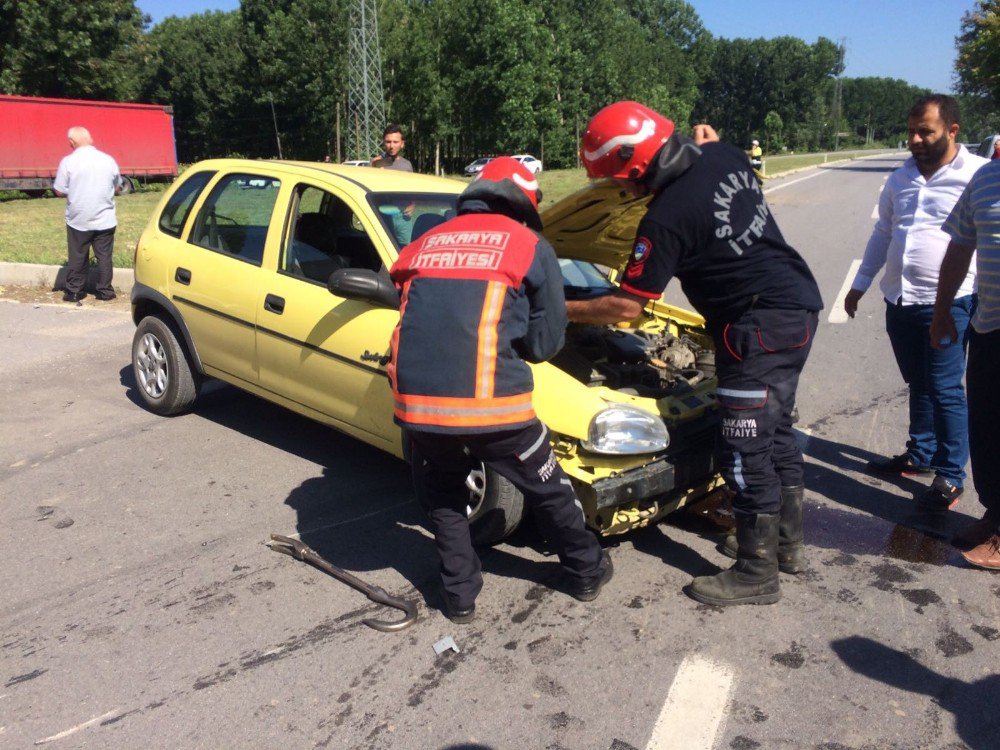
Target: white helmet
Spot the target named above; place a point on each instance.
(755, 142)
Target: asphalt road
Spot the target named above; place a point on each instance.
(140, 606)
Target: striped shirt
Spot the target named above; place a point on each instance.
(975, 222)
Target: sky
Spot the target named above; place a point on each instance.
(909, 39)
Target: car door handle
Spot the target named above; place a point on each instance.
(182, 276)
(274, 303)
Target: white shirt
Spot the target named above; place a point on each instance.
(908, 239)
(88, 177)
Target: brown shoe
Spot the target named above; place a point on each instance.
(987, 554)
(976, 533)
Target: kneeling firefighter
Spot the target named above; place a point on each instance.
(481, 294)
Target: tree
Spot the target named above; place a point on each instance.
(978, 63)
(773, 126)
(87, 49)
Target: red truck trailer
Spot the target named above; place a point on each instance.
(140, 137)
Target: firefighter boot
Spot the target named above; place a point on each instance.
(754, 577)
(791, 550)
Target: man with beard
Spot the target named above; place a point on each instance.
(909, 243)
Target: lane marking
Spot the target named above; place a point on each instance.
(878, 199)
(695, 706)
(783, 185)
(78, 727)
(837, 312)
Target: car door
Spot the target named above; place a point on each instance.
(323, 354)
(215, 275)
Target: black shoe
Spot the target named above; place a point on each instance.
(105, 296)
(459, 615)
(587, 589)
(901, 465)
(73, 296)
(942, 495)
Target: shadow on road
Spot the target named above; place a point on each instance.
(973, 704)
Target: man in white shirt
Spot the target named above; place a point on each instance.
(89, 180)
(909, 243)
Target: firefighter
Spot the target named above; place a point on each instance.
(709, 225)
(481, 296)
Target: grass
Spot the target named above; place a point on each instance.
(34, 230)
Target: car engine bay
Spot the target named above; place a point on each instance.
(638, 362)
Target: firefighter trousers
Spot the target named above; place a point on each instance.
(759, 358)
(442, 462)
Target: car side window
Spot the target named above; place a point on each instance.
(324, 236)
(176, 211)
(236, 215)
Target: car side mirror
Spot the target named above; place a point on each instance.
(365, 285)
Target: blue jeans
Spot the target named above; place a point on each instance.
(939, 424)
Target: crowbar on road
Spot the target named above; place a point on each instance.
(301, 551)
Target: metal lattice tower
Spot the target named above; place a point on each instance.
(365, 104)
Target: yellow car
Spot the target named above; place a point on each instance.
(272, 276)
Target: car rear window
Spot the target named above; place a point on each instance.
(176, 211)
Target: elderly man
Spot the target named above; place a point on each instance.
(89, 180)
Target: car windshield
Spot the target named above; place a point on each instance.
(582, 279)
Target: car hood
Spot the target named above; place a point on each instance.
(595, 224)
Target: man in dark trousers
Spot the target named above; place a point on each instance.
(482, 295)
(709, 225)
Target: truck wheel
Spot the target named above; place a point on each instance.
(496, 506)
(127, 185)
(163, 374)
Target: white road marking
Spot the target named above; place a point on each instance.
(878, 200)
(783, 185)
(78, 727)
(837, 312)
(695, 706)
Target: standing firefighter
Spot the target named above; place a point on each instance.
(482, 296)
(709, 225)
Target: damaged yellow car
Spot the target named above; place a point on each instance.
(273, 277)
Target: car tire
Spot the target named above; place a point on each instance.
(128, 186)
(496, 506)
(164, 378)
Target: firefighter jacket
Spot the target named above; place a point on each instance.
(480, 294)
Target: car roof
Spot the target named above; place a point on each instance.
(372, 180)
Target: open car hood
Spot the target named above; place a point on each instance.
(595, 224)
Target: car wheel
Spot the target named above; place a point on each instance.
(127, 185)
(163, 375)
(496, 506)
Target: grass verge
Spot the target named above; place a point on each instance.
(34, 230)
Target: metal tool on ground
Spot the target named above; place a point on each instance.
(301, 551)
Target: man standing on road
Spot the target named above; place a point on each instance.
(908, 242)
(89, 180)
(392, 144)
(974, 227)
(491, 288)
(709, 225)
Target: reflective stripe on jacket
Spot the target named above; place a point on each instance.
(480, 294)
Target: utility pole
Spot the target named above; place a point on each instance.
(365, 103)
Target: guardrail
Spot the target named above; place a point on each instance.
(786, 162)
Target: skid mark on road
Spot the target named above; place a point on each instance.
(695, 706)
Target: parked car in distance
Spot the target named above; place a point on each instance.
(475, 167)
(283, 291)
(988, 148)
(357, 163)
(534, 165)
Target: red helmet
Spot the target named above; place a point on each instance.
(507, 179)
(622, 139)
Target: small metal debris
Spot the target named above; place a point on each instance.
(444, 644)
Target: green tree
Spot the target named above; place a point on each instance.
(87, 49)
(773, 125)
(199, 69)
(978, 63)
